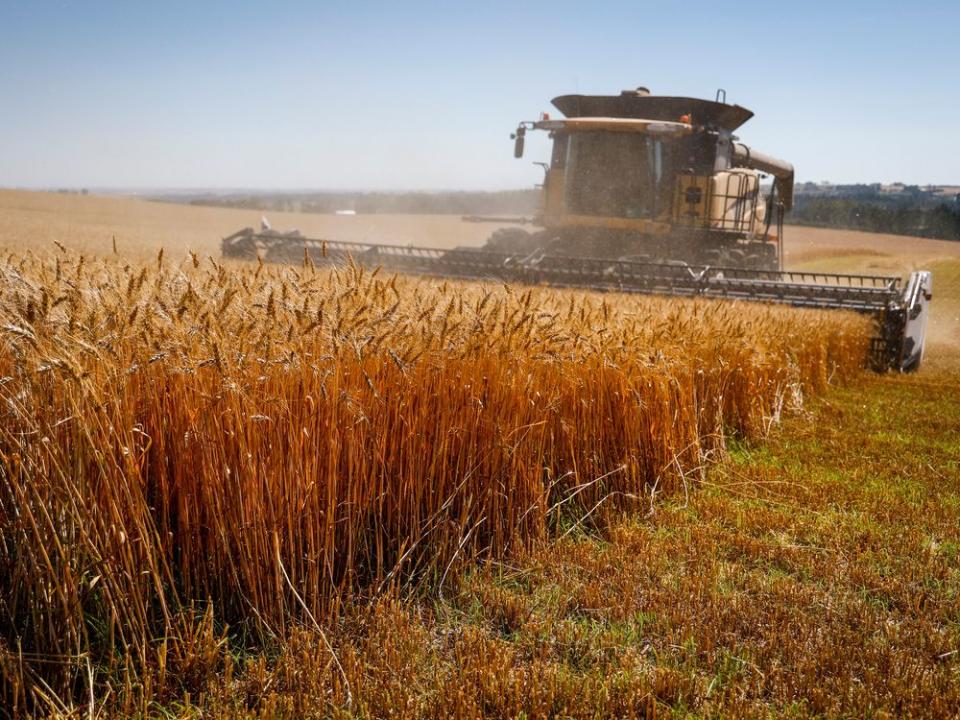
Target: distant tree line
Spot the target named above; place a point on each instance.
(911, 211)
(507, 202)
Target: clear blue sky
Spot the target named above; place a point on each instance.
(399, 95)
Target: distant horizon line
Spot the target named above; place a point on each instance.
(227, 191)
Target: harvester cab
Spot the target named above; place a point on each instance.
(655, 178)
(653, 195)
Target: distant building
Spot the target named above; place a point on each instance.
(947, 192)
(893, 188)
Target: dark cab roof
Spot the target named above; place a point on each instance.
(654, 107)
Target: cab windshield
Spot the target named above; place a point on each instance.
(616, 174)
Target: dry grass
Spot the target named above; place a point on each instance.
(186, 447)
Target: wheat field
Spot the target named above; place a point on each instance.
(258, 444)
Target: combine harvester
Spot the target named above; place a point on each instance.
(647, 194)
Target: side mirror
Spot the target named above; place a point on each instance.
(518, 139)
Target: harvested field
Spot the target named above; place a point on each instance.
(806, 244)
(184, 447)
(90, 224)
